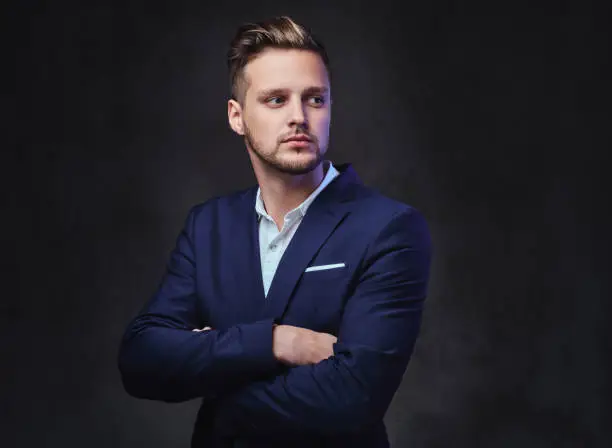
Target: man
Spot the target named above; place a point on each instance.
(292, 308)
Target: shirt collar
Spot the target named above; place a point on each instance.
(301, 209)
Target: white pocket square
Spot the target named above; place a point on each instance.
(324, 267)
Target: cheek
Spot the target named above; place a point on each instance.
(322, 127)
(263, 129)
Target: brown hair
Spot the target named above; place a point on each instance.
(252, 38)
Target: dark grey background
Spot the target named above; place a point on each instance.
(490, 122)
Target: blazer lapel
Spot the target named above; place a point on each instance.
(323, 216)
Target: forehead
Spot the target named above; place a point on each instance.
(287, 69)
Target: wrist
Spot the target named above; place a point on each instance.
(280, 347)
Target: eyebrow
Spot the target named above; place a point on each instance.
(322, 90)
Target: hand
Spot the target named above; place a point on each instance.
(300, 346)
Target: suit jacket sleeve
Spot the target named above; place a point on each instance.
(353, 388)
(161, 358)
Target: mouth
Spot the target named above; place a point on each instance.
(298, 138)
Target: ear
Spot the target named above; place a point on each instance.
(234, 116)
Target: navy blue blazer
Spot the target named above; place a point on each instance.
(373, 304)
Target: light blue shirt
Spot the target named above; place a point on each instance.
(272, 242)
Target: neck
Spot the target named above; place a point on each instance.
(282, 192)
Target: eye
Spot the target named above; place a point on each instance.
(275, 101)
(317, 100)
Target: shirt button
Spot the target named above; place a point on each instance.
(273, 246)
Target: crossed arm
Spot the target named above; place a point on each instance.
(163, 358)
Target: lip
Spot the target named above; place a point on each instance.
(298, 138)
(298, 143)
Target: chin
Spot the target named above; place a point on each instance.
(299, 165)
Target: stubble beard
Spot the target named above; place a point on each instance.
(272, 161)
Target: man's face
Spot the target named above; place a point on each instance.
(287, 96)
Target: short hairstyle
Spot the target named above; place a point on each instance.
(253, 38)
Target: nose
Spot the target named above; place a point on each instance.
(298, 115)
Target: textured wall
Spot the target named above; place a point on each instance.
(491, 123)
